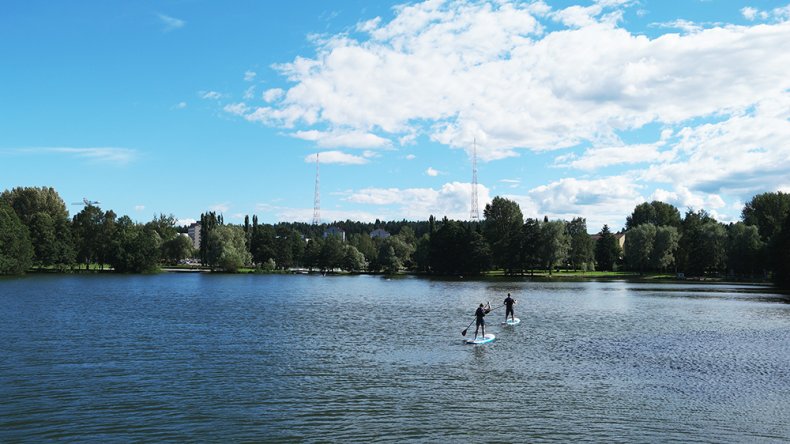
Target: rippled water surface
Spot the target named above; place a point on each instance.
(309, 358)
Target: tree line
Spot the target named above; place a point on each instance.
(37, 233)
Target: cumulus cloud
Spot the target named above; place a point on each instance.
(488, 71)
(451, 200)
(336, 157)
(249, 76)
(139, 207)
(432, 172)
(522, 77)
(345, 139)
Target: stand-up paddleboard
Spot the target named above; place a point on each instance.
(514, 321)
(489, 337)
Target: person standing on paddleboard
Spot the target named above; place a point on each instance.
(479, 315)
(509, 303)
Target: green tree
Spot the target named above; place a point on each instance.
(767, 212)
(44, 213)
(16, 250)
(421, 254)
(745, 250)
(638, 248)
(656, 213)
(135, 247)
(388, 259)
(87, 228)
(702, 245)
(312, 253)
(607, 250)
(555, 244)
(581, 251)
(664, 247)
(502, 230)
(353, 259)
(262, 242)
(332, 253)
(227, 249)
(781, 255)
(208, 222)
(531, 245)
(177, 249)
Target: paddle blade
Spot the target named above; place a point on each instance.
(463, 333)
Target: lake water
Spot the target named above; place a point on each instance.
(261, 358)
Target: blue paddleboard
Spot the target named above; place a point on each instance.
(489, 337)
(514, 321)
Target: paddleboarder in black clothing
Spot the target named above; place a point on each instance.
(479, 315)
(509, 303)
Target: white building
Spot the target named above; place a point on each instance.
(194, 233)
(335, 231)
(380, 233)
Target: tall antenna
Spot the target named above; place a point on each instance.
(474, 213)
(317, 200)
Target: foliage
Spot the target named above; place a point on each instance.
(581, 249)
(44, 214)
(745, 250)
(135, 247)
(767, 212)
(502, 230)
(227, 249)
(554, 243)
(656, 213)
(781, 255)
(177, 249)
(638, 247)
(607, 250)
(16, 250)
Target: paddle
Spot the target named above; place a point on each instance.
(463, 332)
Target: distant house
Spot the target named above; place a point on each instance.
(194, 233)
(619, 236)
(380, 233)
(335, 231)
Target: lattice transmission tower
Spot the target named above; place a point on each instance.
(317, 199)
(474, 213)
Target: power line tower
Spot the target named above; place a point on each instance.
(474, 213)
(317, 199)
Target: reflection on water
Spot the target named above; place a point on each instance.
(262, 358)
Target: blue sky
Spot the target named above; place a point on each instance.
(577, 108)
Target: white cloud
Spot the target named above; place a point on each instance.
(452, 200)
(600, 201)
(344, 139)
(238, 109)
(461, 70)
(170, 23)
(595, 158)
(139, 207)
(336, 157)
(270, 95)
(185, 222)
(432, 172)
(180, 105)
(220, 207)
(249, 76)
(749, 13)
(210, 95)
(249, 93)
(410, 157)
(110, 155)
